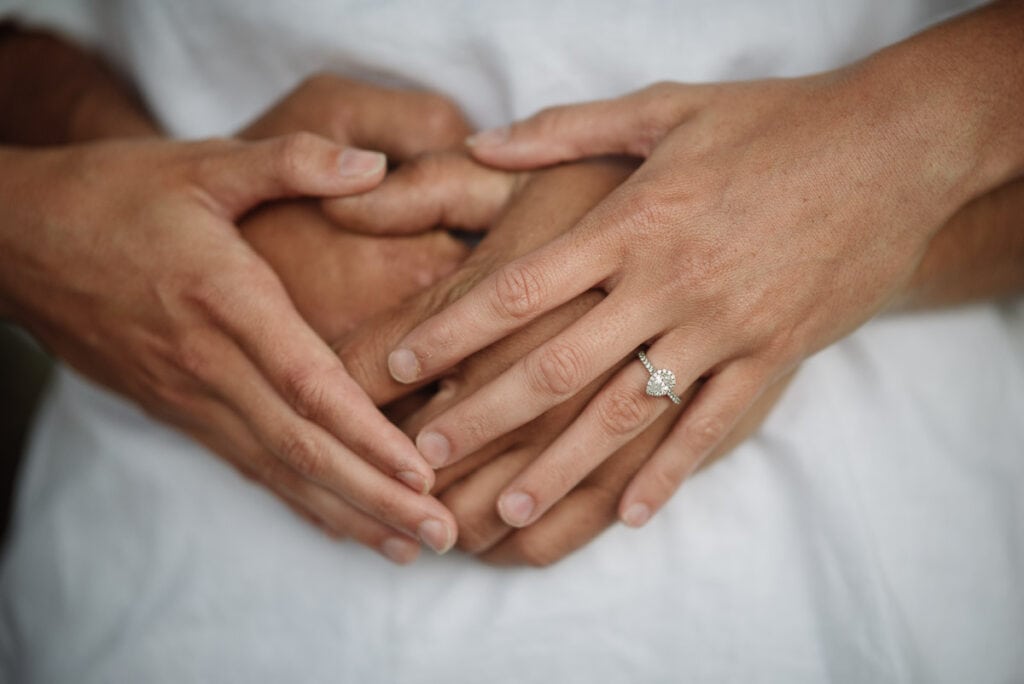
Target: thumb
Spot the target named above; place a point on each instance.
(629, 125)
(245, 174)
(444, 189)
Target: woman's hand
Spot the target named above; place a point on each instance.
(768, 220)
(451, 190)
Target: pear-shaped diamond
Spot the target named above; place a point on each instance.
(661, 383)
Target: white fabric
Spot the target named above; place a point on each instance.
(871, 531)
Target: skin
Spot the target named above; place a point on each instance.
(336, 278)
(768, 220)
(178, 312)
(319, 105)
(432, 190)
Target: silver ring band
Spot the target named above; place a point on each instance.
(661, 382)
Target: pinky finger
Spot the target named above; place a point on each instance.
(707, 421)
(233, 440)
(339, 518)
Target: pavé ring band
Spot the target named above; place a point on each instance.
(662, 381)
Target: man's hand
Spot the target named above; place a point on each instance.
(337, 278)
(124, 259)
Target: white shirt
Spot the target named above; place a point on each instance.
(870, 531)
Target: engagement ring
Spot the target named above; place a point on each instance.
(662, 381)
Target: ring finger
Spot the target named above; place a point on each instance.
(627, 405)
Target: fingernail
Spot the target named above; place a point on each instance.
(355, 162)
(404, 365)
(636, 515)
(399, 550)
(434, 447)
(413, 480)
(491, 138)
(436, 535)
(516, 508)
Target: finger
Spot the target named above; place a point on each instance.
(364, 353)
(549, 375)
(314, 456)
(337, 517)
(472, 499)
(310, 379)
(504, 301)
(319, 457)
(576, 521)
(585, 512)
(447, 190)
(400, 123)
(226, 434)
(617, 414)
(631, 125)
(712, 415)
(244, 174)
(445, 478)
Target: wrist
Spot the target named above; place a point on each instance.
(950, 97)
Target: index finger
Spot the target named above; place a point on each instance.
(501, 303)
(310, 378)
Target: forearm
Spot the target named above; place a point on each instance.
(53, 92)
(978, 255)
(955, 91)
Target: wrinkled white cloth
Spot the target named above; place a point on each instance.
(871, 530)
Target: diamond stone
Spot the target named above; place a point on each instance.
(661, 383)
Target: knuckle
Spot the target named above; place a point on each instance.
(364, 362)
(388, 509)
(203, 293)
(427, 169)
(645, 209)
(195, 357)
(559, 369)
(295, 153)
(702, 433)
(621, 412)
(659, 115)
(474, 428)
(534, 551)
(303, 453)
(305, 388)
(476, 531)
(441, 335)
(550, 121)
(442, 121)
(517, 291)
(663, 482)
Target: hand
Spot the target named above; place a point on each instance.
(124, 259)
(433, 190)
(337, 278)
(741, 246)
